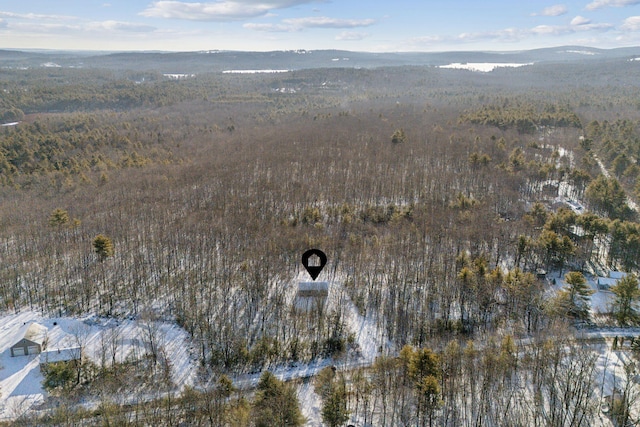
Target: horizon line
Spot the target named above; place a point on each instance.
(88, 51)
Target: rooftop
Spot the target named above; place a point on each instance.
(60, 355)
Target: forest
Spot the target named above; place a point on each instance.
(463, 215)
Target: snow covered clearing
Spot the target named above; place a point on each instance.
(482, 67)
(580, 52)
(178, 76)
(615, 372)
(102, 340)
(254, 71)
(369, 337)
(601, 300)
(310, 403)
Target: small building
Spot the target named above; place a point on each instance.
(69, 354)
(617, 274)
(605, 283)
(312, 295)
(31, 339)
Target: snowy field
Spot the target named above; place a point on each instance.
(482, 67)
(601, 300)
(102, 340)
(254, 71)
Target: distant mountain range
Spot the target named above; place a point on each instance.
(217, 61)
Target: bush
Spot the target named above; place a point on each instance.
(58, 375)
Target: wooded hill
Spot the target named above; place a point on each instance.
(433, 193)
(217, 60)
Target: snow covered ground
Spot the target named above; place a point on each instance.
(614, 369)
(254, 71)
(102, 341)
(310, 403)
(601, 300)
(483, 67)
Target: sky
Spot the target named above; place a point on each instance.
(356, 25)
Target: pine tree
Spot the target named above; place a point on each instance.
(333, 392)
(276, 404)
(58, 217)
(627, 296)
(334, 406)
(576, 295)
(103, 246)
(398, 136)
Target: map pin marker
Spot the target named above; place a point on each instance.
(314, 261)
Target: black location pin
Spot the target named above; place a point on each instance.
(314, 261)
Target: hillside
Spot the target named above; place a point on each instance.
(216, 61)
(469, 220)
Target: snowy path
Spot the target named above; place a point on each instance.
(633, 205)
(311, 405)
(369, 337)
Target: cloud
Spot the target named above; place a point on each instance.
(556, 10)
(580, 20)
(36, 16)
(508, 34)
(578, 24)
(270, 28)
(351, 36)
(40, 23)
(222, 10)
(550, 30)
(632, 23)
(429, 39)
(599, 4)
(325, 22)
(55, 25)
(127, 27)
(299, 24)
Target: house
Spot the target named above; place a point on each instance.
(617, 274)
(69, 354)
(604, 283)
(311, 295)
(314, 261)
(31, 338)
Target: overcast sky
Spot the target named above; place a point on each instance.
(359, 25)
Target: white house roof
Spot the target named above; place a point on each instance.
(607, 281)
(313, 289)
(60, 355)
(33, 331)
(617, 274)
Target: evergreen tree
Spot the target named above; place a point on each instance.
(575, 296)
(627, 296)
(334, 406)
(276, 404)
(103, 246)
(429, 394)
(398, 136)
(58, 217)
